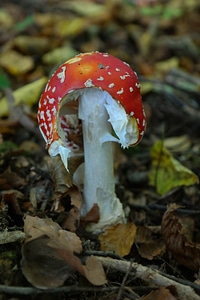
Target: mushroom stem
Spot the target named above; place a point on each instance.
(99, 182)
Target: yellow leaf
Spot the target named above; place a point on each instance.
(168, 173)
(66, 27)
(16, 63)
(28, 94)
(118, 238)
(59, 55)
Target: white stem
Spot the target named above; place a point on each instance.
(99, 184)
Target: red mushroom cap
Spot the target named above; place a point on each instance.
(97, 70)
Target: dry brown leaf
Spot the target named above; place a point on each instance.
(161, 294)
(94, 272)
(118, 238)
(42, 265)
(149, 246)
(12, 198)
(69, 206)
(92, 216)
(178, 239)
(48, 255)
(11, 180)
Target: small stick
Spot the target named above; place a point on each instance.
(150, 276)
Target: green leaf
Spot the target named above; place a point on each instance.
(168, 173)
(24, 24)
(4, 81)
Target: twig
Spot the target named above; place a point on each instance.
(15, 290)
(123, 283)
(150, 276)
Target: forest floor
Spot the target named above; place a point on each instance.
(45, 250)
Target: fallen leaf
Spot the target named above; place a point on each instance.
(70, 27)
(32, 44)
(92, 216)
(177, 237)
(49, 255)
(148, 245)
(166, 172)
(161, 294)
(70, 219)
(94, 271)
(178, 143)
(11, 180)
(110, 241)
(59, 55)
(15, 63)
(28, 94)
(42, 265)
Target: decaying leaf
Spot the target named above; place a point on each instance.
(70, 219)
(178, 143)
(118, 238)
(49, 255)
(10, 180)
(178, 239)
(161, 294)
(28, 94)
(92, 216)
(42, 265)
(149, 246)
(166, 172)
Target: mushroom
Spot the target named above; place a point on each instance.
(98, 95)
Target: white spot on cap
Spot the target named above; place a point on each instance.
(51, 100)
(126, 63)
(42, 115)
(117, 69)
(54, 110)
(71, 91)
(54, 89)
(105, 55)
(135, 73)
(61, 75)
(144, 122)
(49, 88)
(120, 91)
(88, 83)
(123, 77)
(137, 85)
(109, 73)
(48, 115)
(138, 120)
(101, 78)
(50, 128)
(132, 114)
(142, 133)
(131, 89)
(111, 85)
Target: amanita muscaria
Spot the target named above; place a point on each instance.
(100, 95)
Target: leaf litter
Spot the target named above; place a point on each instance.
(39, 204)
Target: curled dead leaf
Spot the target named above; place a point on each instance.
(150, 245)
(178, 240)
